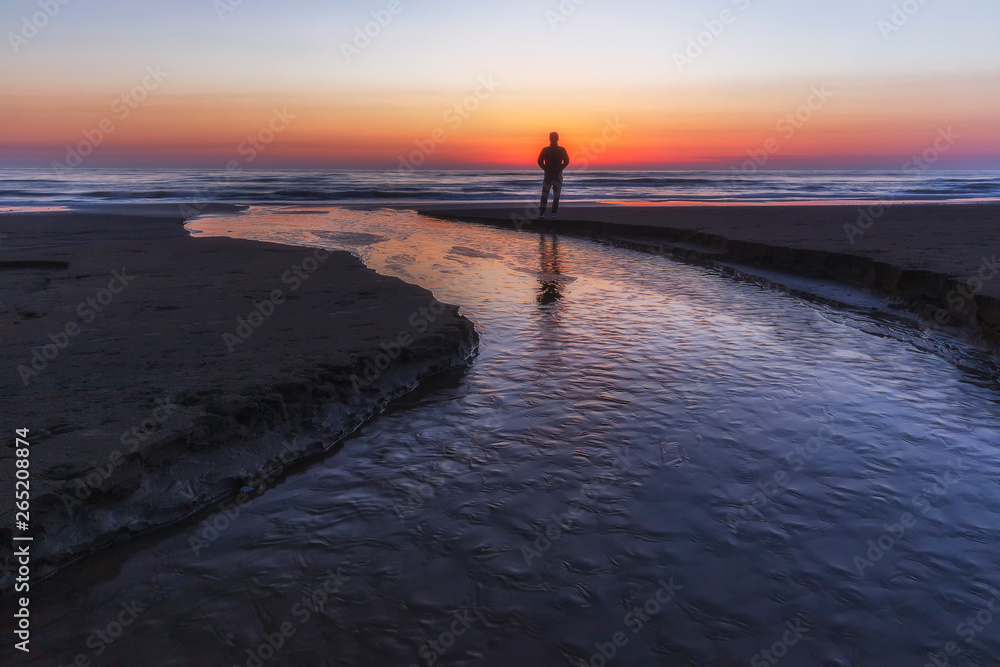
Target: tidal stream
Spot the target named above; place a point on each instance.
(648, 463)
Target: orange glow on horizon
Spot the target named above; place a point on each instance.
(654, 129)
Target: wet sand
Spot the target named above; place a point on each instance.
(940, 260)
(158, 372)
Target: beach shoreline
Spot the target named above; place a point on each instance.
(158, 372)
(937, 261)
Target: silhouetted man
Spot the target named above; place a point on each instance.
(553, 159)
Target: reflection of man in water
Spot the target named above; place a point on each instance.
(553, 159)
(548, 254)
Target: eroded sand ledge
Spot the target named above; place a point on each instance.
(926, 254)
(158, 403)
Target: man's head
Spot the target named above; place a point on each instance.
(553, 137)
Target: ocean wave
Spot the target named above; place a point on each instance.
(977, 189)
(298, 186)
(19, 193)
(647, 180)
(334, 195)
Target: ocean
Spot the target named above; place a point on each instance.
(45, 187)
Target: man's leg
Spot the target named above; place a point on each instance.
(556, 189)
(546, 185)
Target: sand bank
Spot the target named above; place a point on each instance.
(938, 260)
(158, 372)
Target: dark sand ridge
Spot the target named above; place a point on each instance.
(155, 360)
(939, 259)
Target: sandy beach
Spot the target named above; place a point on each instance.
(158, 372)
(622, 406)
(940, 260)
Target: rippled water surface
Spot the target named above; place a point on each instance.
(647, 459)
(31, 187)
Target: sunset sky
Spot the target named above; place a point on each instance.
(623, 80)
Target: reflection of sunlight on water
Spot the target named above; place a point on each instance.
(34, 209)
(653, 395)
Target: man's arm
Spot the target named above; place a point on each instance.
(564, 159)
(541, 159)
